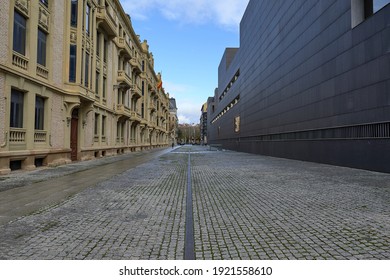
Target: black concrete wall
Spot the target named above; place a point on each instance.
(311, 87)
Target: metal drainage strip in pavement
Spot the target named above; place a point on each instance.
(189, 243)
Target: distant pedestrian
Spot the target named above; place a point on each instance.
(173, 145)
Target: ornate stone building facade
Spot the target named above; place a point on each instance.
(76, 83)
(173, 121)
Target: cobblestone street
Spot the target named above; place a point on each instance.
(245, 206)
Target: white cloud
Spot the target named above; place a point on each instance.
(188, 111)
(183, 119)
(226, 13)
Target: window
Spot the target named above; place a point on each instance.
(96, 130)
(97, 43)
(97, 83)
(17, 104)
(105, 53)
(41, 50)
(45, 2)
(39, 112)
(87, 19)
(104, 87)
(86, 80)
(120, 129)
(72, 63)
(143, 88)
(104, 125)
(73, 13)
(19, 44)
(119, 97)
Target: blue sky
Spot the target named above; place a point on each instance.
(187, 39)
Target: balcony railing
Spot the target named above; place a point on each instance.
(136, 65)
(152, 106)
(17, 135)
(42, 71)
(136, 90)
(152, 124)
(123, 111)
(123, 77)
(40, 136)
(124, 47)
(135, 117)
(20, 60)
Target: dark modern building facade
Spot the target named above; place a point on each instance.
(310, 81)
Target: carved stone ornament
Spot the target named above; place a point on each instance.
(23, 6)
(73, 36)
(43, 18)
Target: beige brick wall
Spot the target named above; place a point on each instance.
(112, 68)
(58, 122)
(2, 109)
(57, 35)
(4, 31)
(89, 129)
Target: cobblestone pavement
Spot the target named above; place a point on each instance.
(244, 207)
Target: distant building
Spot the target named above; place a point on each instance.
(76, 83)
(203, 125)
(173, 121)
(310, 81)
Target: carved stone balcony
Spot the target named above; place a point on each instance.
(19, 60)
(122, 111)
(124, 47)
(17, 139)
(136, 91)
(136, 65)
(40, 136)
(106, 21)
(152, 125)
(152, 106)
(135, 117)
(42, 71)
(124, 79)
(17, 135)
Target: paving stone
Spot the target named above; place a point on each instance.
(245, 207)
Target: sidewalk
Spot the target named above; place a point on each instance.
(22, 178)
(244, 207)
(23, 193)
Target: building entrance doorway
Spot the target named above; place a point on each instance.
(74, 128)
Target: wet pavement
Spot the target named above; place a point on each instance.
(244, 206)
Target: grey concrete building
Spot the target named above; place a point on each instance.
(310, 81)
